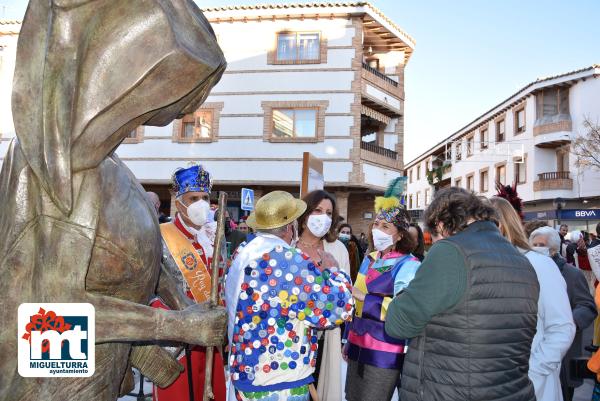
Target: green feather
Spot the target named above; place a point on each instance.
(396, 188)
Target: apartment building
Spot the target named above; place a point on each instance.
(526, 139)
(326, 78)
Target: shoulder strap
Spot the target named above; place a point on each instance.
(188, 261)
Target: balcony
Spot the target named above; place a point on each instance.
(552, 135)
(555, 180)
(380, 92)
(379, 155)
(378, 75)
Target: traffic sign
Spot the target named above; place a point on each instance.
(247, 199)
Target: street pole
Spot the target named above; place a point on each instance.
(214, 294)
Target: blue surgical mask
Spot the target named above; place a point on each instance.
(344, 237)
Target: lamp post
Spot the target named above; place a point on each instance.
(559, 204)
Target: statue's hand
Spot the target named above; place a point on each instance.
(203, 324)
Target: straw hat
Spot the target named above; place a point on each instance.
(275, 209)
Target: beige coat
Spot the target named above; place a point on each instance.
(330, 377)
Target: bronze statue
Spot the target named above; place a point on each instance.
(75, 225)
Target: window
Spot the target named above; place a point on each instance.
(410, 176)
(483, 138)
(470, 182)
(199, 126)
(483, 181)
(135, 135)
(410, 201)
(294, 123)
(427, 197)
(470, 146)
(551, 102)
(417, 204)
(501, 174)
(520, 170)
(458, 182)
(562, 159)
(500, 131)
(458, 150)
(520, 121)
(298, 48)
(418, 173)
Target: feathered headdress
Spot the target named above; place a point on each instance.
(509, 193)
(389, 207)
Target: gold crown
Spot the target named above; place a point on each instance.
(275, 209)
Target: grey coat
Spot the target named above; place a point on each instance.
(584, 313)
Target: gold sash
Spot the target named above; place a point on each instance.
(188, 260)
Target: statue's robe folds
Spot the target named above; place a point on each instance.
(110, 245)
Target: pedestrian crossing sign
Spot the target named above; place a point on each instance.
(247, 199)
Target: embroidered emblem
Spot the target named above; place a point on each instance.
(189, 261)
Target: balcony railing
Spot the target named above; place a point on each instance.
(371, 147)
(554, 175)
(376, 72)
(555, 180)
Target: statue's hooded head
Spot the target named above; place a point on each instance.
(90, 71)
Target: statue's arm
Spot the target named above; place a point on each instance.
(118, 320)
(188, 322)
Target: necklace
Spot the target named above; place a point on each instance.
(316, 245)
(312, 250)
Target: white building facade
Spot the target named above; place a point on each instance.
(526, 140)
(324, 78)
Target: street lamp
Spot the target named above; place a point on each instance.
(559, 204)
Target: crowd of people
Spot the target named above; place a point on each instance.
(493, 310)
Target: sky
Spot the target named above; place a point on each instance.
(470, 54)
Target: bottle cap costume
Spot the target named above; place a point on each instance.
(276, 298)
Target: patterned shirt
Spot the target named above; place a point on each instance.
(282, 299)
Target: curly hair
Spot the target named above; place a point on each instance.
(454, 207)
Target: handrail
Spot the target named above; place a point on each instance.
(375, 71)
(554, 175)
(371, 147)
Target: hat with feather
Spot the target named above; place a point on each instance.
(390, 207)
(509, 192)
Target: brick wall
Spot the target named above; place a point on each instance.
(358, 204)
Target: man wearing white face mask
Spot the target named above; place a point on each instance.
(188, 249)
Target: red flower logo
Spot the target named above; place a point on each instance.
(44, 321)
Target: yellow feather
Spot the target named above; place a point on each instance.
(382, 203)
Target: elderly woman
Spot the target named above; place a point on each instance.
(555, 328)
(546, 240)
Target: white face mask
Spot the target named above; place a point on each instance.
(318, 224)
(544, 250)
(198, 212)
(381, 240)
